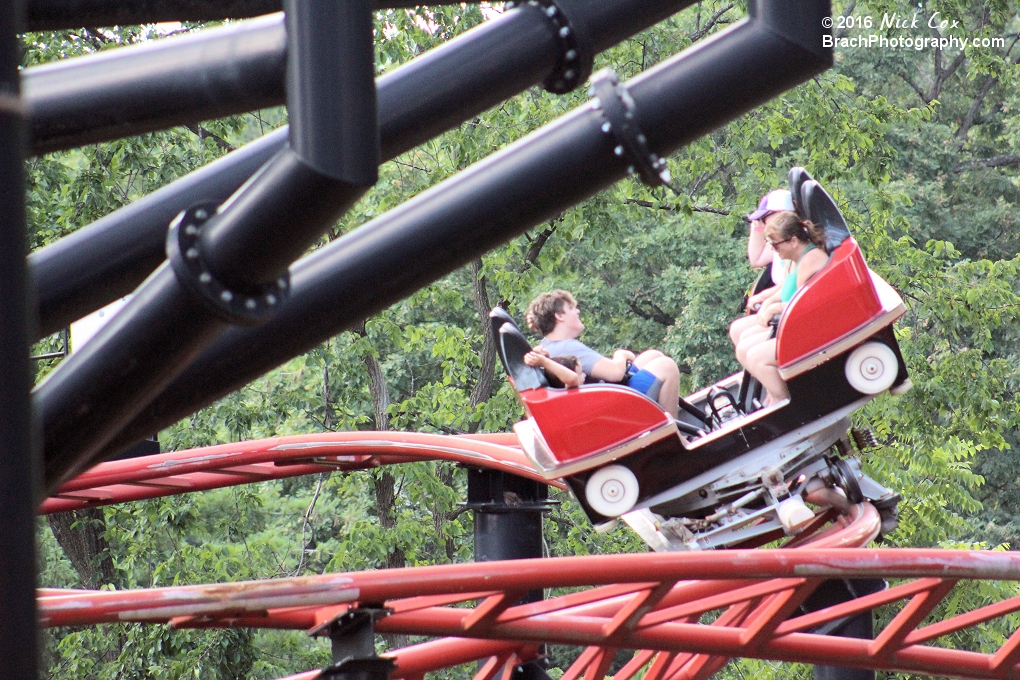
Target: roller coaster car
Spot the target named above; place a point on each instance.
(729, 470)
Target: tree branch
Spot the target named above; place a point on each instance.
(993, 162)
(972, 118)
(202, 133)
(915, 87)
(652, 311)
(535, 249)
(942, 75)
(710, 24)
(673, 209)
(972, 112)
(847, 11)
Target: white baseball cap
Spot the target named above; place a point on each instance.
(774, 201)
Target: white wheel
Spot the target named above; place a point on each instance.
(793, 514)
(872, 368)
(612, 491)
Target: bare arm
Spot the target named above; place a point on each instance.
(759, 298)
(566, 376)
(612, 370)
(810, 264)
(769, 310)
(759, 253)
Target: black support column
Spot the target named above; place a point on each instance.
(18, 481)
(507, 513)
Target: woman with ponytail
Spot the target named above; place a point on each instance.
(803, 244)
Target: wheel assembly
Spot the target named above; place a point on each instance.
(847, 480)
(872, 368)
(612, 491)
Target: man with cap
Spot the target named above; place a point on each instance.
(760, 253)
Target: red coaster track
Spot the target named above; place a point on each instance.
(214, 467)
(686, 613)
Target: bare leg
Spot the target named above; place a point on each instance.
(665, 369)
(751, 337)
(740, 325)
(762, 364)
(641, 359)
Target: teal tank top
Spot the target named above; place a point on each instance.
(789, 288)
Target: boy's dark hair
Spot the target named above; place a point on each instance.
(541, 314)
(569, 361)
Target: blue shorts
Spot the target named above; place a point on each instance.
(644, 382)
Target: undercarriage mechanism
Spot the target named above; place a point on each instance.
(773, 494)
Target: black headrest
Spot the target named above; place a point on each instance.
(497, 317)
(797, 177)
(821, 209)
(512, 347)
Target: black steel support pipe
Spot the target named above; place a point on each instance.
(109, 258)
(156, 84)
(423, 98)
(273, 217)
(334, 146)
(19, 481)
(54, 15)
(90, 396)
(233, 69)
(498, 198)
(507, 512)
(507, 516)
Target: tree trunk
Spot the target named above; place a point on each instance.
(385, 484)
(385, 505)
(80, 535)
(376, 385)
(482, 391)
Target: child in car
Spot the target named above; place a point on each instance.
(562, 371)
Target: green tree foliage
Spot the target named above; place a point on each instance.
(917, 146)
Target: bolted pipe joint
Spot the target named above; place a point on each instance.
(271, 221)
(191, 269)
(576, 47)
(620, 113)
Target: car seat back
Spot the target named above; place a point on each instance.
(497, 317)
(511, 345)
(820, 209)
(814, 204)
(835, 302)
(797, 177)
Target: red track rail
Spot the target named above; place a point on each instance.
(214, 467)
(655, 603)
(651, 602)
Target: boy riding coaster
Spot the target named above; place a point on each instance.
(556, 317)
